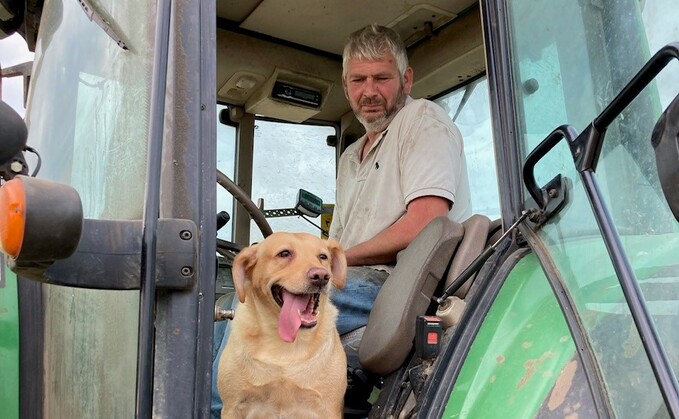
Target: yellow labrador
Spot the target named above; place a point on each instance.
(284, 358)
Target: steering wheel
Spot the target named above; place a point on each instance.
(230, 248)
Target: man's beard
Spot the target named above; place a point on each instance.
(378, 123)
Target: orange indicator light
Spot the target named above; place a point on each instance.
(12, 217)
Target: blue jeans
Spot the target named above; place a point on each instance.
(354, 302)
(356, 299)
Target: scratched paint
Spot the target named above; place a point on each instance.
(522, 346)
(562, 386)
(531, 366)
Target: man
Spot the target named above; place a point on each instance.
(408, 169)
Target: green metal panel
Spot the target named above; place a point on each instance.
(581, 54)
(523, 346)
(9, 346)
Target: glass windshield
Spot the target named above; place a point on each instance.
(88, 118)
(571, 59)
(287, 158)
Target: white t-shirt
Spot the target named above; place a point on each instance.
(419, 154)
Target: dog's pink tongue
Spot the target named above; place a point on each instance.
(290, 320)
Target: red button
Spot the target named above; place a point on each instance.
(432, 338)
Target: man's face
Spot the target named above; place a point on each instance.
(376, 91)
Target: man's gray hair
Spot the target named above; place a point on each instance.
(374, 42)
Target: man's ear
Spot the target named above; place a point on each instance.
(407, 80)
(242, 267)
(338, 264)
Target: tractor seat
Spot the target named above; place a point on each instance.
(420, 269)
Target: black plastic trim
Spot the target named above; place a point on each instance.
(560, 133)
(108, 257)
(31, 346)
(503, 107)
(147, 298)
(587, 146)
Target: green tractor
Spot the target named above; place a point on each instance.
(559, 298)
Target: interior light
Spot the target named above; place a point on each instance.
(246, 83)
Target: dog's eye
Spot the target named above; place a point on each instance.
(284, 254)
(323, 256)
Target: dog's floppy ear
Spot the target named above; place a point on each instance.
(338, 263)
(242, 264)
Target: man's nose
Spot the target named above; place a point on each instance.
(369, 88)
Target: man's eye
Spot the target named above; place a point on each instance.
(284, 254)
(323, 256)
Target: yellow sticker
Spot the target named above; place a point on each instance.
(326, 219)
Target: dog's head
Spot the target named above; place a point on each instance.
(290, 274)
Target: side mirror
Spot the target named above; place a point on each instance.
(665, 140)
(309, 204)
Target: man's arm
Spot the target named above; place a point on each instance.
(383, 247)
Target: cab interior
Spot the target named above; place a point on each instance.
(262, 45)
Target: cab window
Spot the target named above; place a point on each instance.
(571, 60)
(289, 157)
(226, 152)
(469, 108)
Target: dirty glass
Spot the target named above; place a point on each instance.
(286, 158)
(88, 117)
(570, 60)
(469, 108)
(523, 362)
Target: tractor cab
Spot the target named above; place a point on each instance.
(161, 137)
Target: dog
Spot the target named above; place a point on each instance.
(283, 358)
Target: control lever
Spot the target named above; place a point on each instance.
(223, 217)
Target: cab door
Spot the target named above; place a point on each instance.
(120, 108)
(582, 325)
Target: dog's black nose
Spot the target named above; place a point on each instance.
(318, 276)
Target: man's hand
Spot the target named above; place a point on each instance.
(385, 245)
